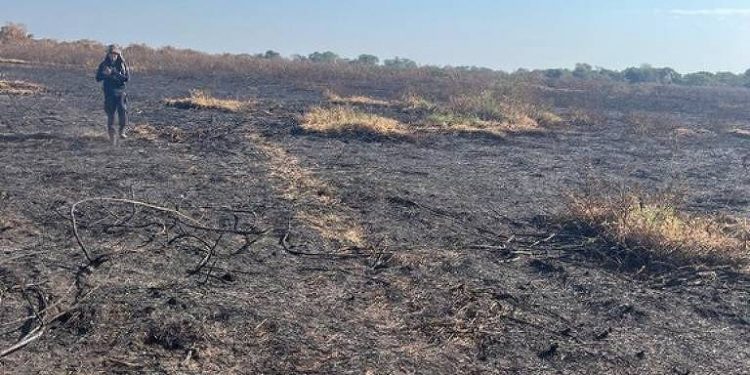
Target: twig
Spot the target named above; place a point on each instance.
(30, 337)
(248, 243)
(188, 221)
(40, 329)
(38, 315)
(128, 201)
(551, 236)
(208, 255)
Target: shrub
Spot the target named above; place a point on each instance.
(654, 224)
(324, 57)
(413, 101)
(271, 54)
(14, 33)
(579, 117)
(369, 60)
(400, 63)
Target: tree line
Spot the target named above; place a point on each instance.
(331, 57)
(17, 33)
(649, 74)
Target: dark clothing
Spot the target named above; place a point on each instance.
(116, 103)
(115, 97)
(114, 82)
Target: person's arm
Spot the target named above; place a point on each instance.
(123, 75)
(101, 75)
(120, 75)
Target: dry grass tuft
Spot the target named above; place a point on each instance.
(578, 117)
(333, 98)
(145, 132)
(470, 125)
(200, 99)
(20, 88)
(547, 118)
(343, 119)
(690, 133)
(461, 122)
(13, 61)
(651, 123)
(655, 224)
(492, 113)
(149, 133)
(412, 101)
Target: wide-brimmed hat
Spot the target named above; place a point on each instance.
(114, 48)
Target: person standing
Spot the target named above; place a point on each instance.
(114, 73)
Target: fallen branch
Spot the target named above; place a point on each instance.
(29, 338)
(187, 221)
(208, 256)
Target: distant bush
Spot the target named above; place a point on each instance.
(369, 60)
(14, 32)
(583, 71)
(271, 54)
(324, 57)
(400, 63)
(644, 74)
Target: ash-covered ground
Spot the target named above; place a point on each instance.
(271, 250)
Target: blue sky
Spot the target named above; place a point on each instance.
(689, 35)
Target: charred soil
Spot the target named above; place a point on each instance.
(233, 242)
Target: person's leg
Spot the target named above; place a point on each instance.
(122, 114)
(110, 108)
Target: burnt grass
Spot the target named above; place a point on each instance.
(463, 266)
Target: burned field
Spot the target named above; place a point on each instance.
(244, 241)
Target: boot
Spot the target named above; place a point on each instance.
(112, 136)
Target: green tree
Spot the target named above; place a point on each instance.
(324, 57)
(365, 59)
(613, 75)
(644, 73)
(400, 63)
(698, 79)
(271, 54)
(555, 73)
(583, 71)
